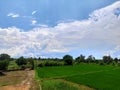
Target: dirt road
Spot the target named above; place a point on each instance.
(24, 85)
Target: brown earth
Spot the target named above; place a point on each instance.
(24, 85)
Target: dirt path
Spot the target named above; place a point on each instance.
(24, 85)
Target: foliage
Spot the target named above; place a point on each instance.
(107, 77)
(68, 60)
(13, 66)
(4, 64)
(57, 85)
(4, 57)
(21, 61)
(107, 59)
(116, 60)
(81, 58)
(90, 59)
(50, 63)
(30, 63)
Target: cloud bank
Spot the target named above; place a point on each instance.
(100, 32)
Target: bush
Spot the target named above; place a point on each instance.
(101, 63)
(4, 64)
(50, 63)
(41, 65)
(21, 61)
(68, 60)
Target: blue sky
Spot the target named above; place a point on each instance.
(52, 28)
(50, 12)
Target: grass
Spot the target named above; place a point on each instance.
(92, 75)
(34, 85)
(105, 80)
(13, 66)
(65, 71)
(57, 85)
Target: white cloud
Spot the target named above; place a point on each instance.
(34, 12)
(13, 15)
(33, 22)
(100, 32)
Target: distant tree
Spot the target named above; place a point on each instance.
(4, 61)
(31, 62)
(116, 60)
(81, 58)
(107, 59)
(4, 56)
(21, 61)
(4, 64)
(90, 59)
(68, 60)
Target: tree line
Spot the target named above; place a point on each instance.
(24, 63)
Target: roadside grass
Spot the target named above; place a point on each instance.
(57, 85)
(13, 65)
(99, 77)
(35, 85)
(12, 77)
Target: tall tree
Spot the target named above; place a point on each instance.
(107, 59)
(68, 59)
(4, 56)
(91, 58)
(81, 58)
(21, 61)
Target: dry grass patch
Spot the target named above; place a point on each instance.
(12, 77)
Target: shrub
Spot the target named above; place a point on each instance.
(68, 60)
(4, 64)
(101, 63)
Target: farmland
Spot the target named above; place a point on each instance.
(91, 75)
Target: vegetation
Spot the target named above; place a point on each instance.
(85, 74)
(80, 59)
(57, 85)
(68, 60)
(54, 73)
(25, 63)
(4, 62)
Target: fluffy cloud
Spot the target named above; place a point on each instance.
(100, 32)
(13, 15)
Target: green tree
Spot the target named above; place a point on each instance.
(4, 56)
(31, 62)
(116, 60)
(107, 59)
(90, 59)
(4, 61)
(81, 58)
(21, 61)
(68, 60)
(4, 64)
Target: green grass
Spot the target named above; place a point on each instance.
(13, 66)
(65, 71)
(57, 85)
(105, 80)
(92, 75)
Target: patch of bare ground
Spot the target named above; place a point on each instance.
(26, 81)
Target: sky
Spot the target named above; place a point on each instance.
(53, 28)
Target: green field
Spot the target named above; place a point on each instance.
(92, 75)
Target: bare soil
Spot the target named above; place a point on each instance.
(24, 85)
